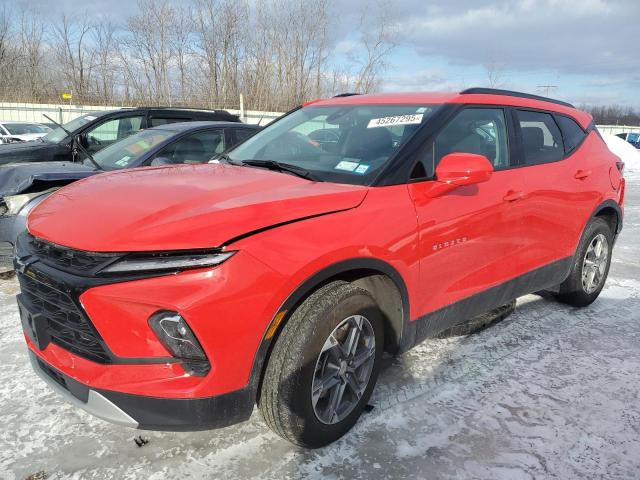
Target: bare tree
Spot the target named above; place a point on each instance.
(74, 58)
(150, 47)
(106, 67)
(31, 54)
(494, 74)
(377, 42)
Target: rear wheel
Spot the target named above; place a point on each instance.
(590, 265)
(323, 366)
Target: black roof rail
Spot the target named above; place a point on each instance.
(184, 109)
(347, 94)
(510, 93)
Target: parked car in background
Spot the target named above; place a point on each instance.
(16, 132)
(24, 185)
(178, 298)
(624, 150)
(632, 138)
(95, 131)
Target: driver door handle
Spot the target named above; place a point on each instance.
(513, 195)
(582, 174)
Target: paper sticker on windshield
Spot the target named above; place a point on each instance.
(413, 119)
(123, 162)
(361, 169)
(90, 117)
(346, 166)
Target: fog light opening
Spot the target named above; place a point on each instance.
(176, 336)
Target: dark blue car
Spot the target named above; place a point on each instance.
(632, 138)
(24, 185)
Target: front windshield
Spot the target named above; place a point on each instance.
(58, 134)
(126, 152)
(25, 128)
(343, 144)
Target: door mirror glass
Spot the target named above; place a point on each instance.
(459, 169)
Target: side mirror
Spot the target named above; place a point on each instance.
(81, 140)
(160, 162)
(458, 169)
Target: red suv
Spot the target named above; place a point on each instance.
(176, 298)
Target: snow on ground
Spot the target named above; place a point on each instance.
(623, 149)
(551, 392)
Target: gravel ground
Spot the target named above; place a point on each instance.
(551, 392)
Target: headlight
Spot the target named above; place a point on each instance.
(146, 262)
(15, 203)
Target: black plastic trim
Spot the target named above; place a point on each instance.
(166, 414)
(616, 207)
(185, 414)
(511, 93)
(539, 279)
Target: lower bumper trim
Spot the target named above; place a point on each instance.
(96, 404)
(150, 413)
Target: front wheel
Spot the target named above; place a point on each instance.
(323, 366)
(590, 265)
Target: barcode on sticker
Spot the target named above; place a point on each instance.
(413, 119)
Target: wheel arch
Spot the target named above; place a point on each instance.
(381, 279)
(611, 212)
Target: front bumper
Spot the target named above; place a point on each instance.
(149, 413)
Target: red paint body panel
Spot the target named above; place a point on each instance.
(183, 207)
(446, 243)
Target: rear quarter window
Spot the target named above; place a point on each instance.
(572, 133)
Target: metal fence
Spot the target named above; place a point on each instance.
(615, 129)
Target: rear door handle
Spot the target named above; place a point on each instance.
(582, 174)
(512, 196)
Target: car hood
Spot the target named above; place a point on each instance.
(24, 151)
(16, 178)
(184, 207)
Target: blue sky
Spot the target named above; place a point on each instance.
(587, 49)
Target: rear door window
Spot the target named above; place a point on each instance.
(541, 137)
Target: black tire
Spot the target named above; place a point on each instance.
(572, 291)
(479, 323)
(285, 400)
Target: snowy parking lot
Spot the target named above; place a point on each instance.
(551, 392)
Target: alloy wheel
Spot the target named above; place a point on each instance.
(343, 369)
(594, 264)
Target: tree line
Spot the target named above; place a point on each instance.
(613, 114)
(198, 53)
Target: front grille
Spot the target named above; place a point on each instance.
(77, 262)
(67, 326)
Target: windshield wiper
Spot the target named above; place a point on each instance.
(226, 158)
(75, 141)
(283, 167)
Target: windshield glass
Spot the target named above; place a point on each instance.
(25, 128)
(343, 144)
(126, 152)
(58, 134)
